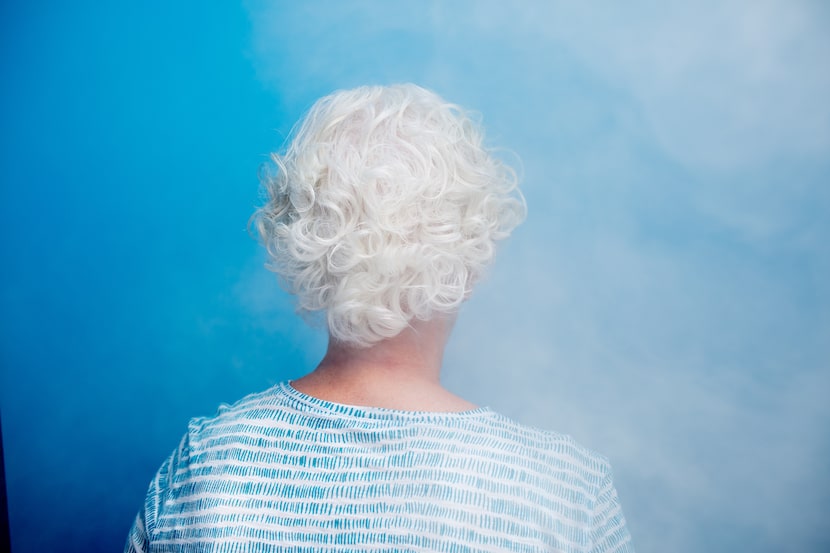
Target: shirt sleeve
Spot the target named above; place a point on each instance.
(141, 533)
(137, 541)
(609, 531)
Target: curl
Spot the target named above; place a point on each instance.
(385, 208)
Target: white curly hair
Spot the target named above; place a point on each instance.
(385, 208)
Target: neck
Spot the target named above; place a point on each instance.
(401, 373)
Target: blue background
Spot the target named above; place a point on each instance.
(667, 301)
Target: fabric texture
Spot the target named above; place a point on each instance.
(283, 471)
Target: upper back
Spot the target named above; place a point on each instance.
(281, 467)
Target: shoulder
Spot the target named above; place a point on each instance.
(556, 454)
(246, 406)
(248, 413)
(242, 425)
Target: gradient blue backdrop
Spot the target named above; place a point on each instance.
(667, 302)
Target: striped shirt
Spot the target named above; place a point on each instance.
(284, 471)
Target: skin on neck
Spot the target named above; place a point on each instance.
(401, 373)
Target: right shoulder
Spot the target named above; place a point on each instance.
(553, 455)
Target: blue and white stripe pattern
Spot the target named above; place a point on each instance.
(283, 471)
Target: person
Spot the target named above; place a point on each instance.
(382, 213)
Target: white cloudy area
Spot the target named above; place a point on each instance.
(667, 301)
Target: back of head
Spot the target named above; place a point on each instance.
(385, 208)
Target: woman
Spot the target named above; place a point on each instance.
(382, 214)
